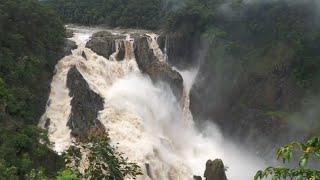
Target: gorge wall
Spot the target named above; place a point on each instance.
(250, 98)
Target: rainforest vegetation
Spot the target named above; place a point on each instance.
(257, 38)
(31, 39)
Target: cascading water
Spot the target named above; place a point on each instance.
(153, 44)
(144, 120)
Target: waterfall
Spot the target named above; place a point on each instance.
(143, 119)
(153, 44)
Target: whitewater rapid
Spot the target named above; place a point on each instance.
(143, 119)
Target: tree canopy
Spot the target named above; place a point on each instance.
(31, 38)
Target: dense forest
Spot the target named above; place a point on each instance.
(31, 41)
(246, 43)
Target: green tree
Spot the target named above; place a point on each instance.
(31, 41)
(104, 161)
(68, 174)
(307, 151)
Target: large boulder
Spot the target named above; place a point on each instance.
(215, 170)
(85, 105)
(104, 44)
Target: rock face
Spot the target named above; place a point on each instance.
(104, 44)
(215, 170)
(149, 64)
(251, 100)
(182, 51)
(85, 105)
(68, 46)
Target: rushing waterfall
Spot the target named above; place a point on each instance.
(143, 119)
(153, 44)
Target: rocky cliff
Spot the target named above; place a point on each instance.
(182, 51)
(248, 99)
(105, 43)
(85, 105)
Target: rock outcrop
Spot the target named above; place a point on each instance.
(104, 44)
(215, 170)
(149, 64)
(182, 51)
(68, 47)
(85, 105)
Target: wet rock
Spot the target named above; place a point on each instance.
(197, 177)
(47, 124)
(148, 168)
(182, 51)
(85, 105)
(68, 46)
(162, 41)
(215, 170)
(69, 33)
(149, 64)
(104, 44)
(84, 55)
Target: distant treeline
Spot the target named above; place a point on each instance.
(123, 13)
(150, 14)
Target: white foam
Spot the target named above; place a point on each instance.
(144, 120)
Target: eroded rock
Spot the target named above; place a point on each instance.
(149, 64)
(85, 105)
(104, 44)
(215, 170)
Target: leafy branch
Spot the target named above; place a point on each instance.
(104, 162)
(307, 150)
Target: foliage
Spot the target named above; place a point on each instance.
(21, 151)
(193, 18)
(37, 175)
(286, 154)
(150, 14)
(282, 115)
(123, 13)
(68, 174)
(31, 39)
(104, 161)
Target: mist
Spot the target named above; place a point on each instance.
(220, 91)
(179, 146)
